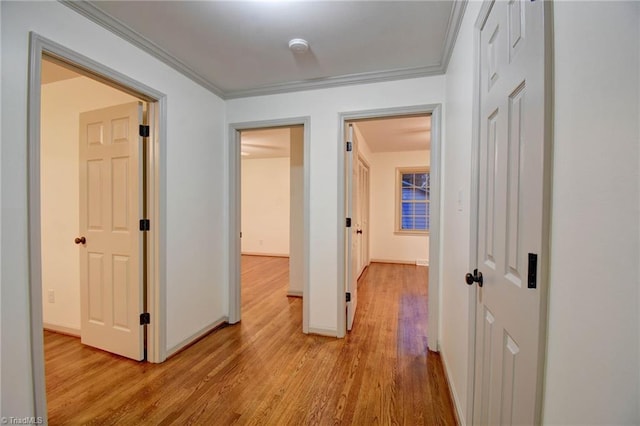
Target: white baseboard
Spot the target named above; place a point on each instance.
(196, 336)
(323, 331)
(399, 262)
(460, 419)
(418, 262)
(294, 293)
(61, 329)
(255, 253)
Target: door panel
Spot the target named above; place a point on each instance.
(510, 203)
(110, 206)
(95, 288)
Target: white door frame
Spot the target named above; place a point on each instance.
(434, 232)
(475, 189)
(156, 252)
(234, 229)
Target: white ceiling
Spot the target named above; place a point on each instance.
(396, 133)
(53, 72)
(391, 134)
(265, 143)
(240, 48)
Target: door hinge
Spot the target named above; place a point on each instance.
(348, 224)
(145, 224)
(348, 297)
(533, 271)
(145, 318)
(144, 130)
(349, 146)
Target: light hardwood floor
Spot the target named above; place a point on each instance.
(264, 370)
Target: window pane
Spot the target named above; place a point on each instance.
(420, 209)
(414, 202)
(407, 180)
(408, 193)
(407, 222)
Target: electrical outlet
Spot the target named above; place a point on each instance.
(260, 242)
(51, 296)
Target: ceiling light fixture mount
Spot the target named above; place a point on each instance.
(298, 45)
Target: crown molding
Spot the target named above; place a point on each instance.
(106, 21)
(93, 13)
(453, 28)
(343, 80)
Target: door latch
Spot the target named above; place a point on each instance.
(475, 278)
(533, 271)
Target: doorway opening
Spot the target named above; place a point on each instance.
(391, 199)
(56, 179)
(271, 191)
(269, 211)
(89, 166)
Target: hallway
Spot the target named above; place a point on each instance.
(264, 370)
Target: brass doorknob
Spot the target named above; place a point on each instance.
(80, 240)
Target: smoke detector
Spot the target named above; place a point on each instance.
(298, 45)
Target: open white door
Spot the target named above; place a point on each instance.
(110, 240)
(351, 240)
(511, 214)
(362, 218)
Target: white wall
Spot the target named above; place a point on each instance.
(323, 106)
(592, 355)
(194, 157)
(265, 206)
(385, 244)
(455, 216)
(62, 102)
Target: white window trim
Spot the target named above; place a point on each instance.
(398, 200)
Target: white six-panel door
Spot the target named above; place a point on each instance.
(362, 217)
(510, 219)
(110, 209)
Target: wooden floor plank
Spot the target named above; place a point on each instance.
(264, 371)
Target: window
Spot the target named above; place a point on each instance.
(412, 200)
